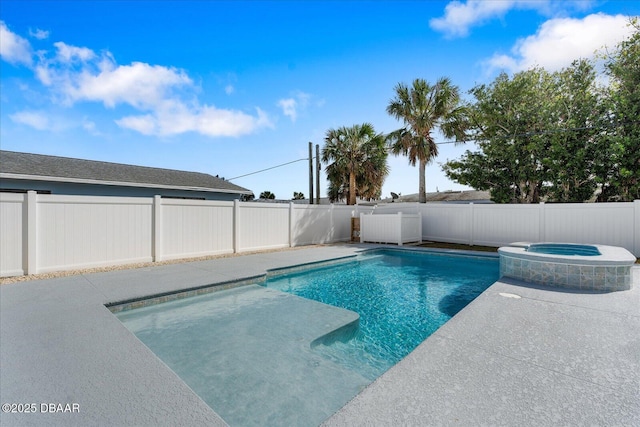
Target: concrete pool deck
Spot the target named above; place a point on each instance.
(547, 358)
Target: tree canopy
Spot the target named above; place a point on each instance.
(357, 162)
(557, 136)
(423, 108)
(267, 195)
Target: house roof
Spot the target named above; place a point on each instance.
(18, 165)
(449, 197)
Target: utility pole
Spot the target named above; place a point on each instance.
(311, 173)
(317, 174)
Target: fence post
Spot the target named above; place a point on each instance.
(420, 225)
(236, 226)
(361, 228)
(471, 221)
(636, 226)
(31, 247)
(291, 230)
(332, 234)
(541, 223)
(399, 228)
(157, 228)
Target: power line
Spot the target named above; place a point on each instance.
(542, 132)
(267, 169)
(300, 160)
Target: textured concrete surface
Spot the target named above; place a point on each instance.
(547, 358)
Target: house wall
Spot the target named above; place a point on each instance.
(78, 189)
(41, 233)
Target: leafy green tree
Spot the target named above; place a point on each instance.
(507, 118)
(357, 162)
(423, 108)
(267, 195)
(298, 196)
(620, 175)
(575, 133)
(538, 134)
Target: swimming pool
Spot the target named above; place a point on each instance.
(598, 268)
(564, 249)
(262, 355)
(402, 297)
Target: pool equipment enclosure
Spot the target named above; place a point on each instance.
(397, 228)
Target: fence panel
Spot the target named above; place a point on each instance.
(262, 226)
(342, 222)
(13, 232)
(601, 223)
(394, 208)
(446, 223)
(312, 224)
(192, 228)
(90, 231)
(498, 225)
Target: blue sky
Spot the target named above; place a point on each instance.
(229, 88)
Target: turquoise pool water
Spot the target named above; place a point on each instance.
(564, 249)
(258, 354)
(402, 297)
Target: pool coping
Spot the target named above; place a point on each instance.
(609, 255)
(58, 346)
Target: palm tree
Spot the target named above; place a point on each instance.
(267, 195)
(359, 165)
(298, 196)
(423, 108)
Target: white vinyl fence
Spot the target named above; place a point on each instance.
(41, 233)
(615, 224)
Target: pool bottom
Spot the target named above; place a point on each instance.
(261, 368)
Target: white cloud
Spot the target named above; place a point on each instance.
(139, 85)
(229, 89)
(175, 118)
(292, 106)
(36, 120)
(288, 106)
(460, 17)
(68, 53)
(164, 96)
(41, 120)
(39, 34)
(13, 48)
(558, 42)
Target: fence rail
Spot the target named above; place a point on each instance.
(41, 233)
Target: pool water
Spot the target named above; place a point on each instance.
(255, 353)
(564, 249)
(402, 297)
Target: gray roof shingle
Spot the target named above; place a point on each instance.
(39, 165)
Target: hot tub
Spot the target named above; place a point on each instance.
(568, 265)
